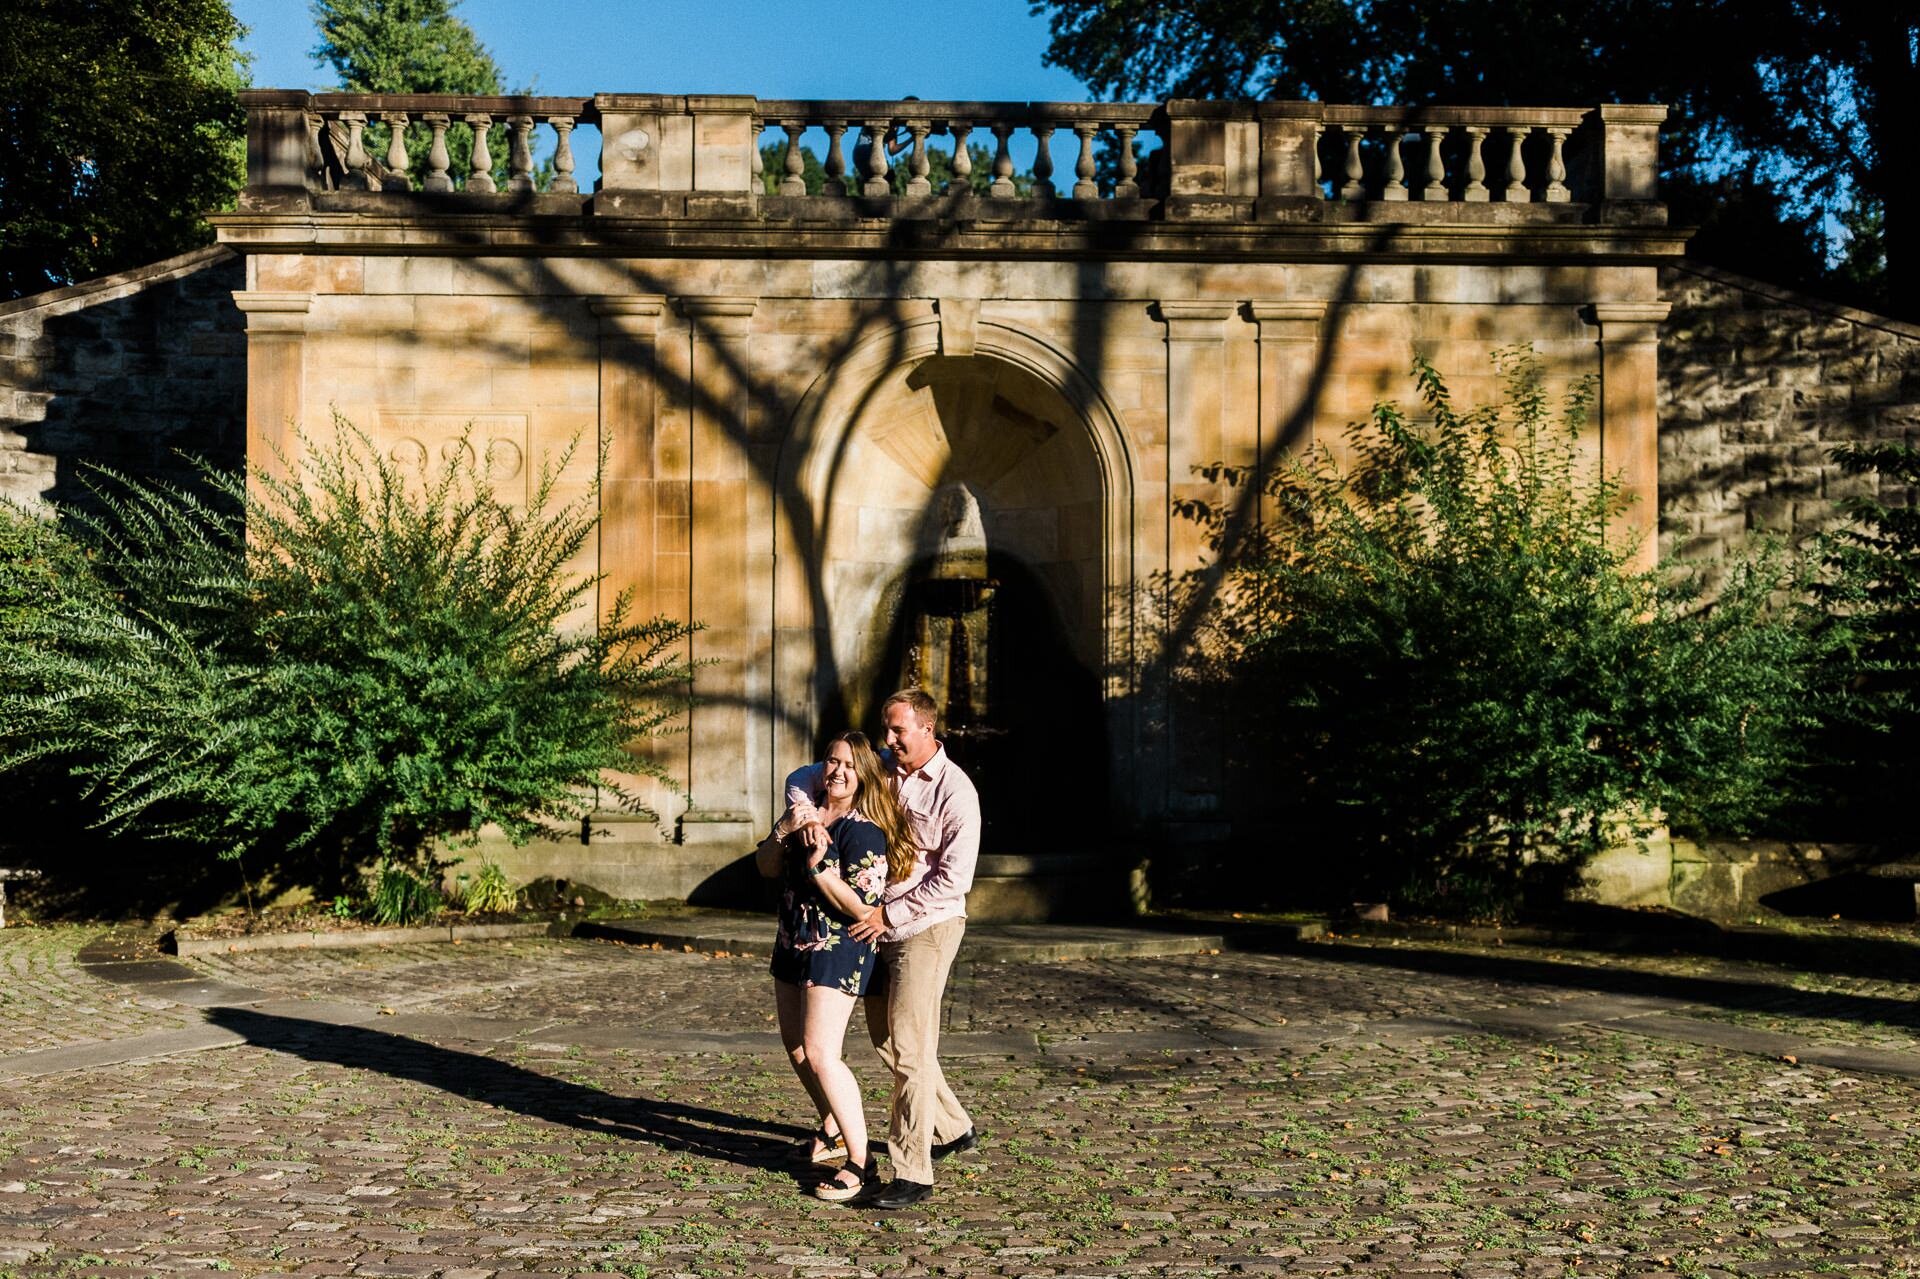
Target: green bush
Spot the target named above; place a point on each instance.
(488, 892)
(400, 893)
(1438, 673)
(347, 663)
(1871, 590)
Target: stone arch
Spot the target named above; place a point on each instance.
(810, 656)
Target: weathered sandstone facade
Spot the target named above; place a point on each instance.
(816, 406)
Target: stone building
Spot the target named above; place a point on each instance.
(912, 435)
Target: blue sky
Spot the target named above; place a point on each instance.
(964, 49)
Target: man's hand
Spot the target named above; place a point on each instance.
(869, 927)
(812, 828)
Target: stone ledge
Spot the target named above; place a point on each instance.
(185, 944)
(107, 287)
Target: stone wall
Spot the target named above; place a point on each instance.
(1757, 385)
(126, 371)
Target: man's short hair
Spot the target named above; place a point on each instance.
(922, 703)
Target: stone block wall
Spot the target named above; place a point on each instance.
(1757, 385)
(125, 371)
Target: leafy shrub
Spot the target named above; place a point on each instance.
(1872, 594)
(488, 892)
(347, 662)
(1436, 670)
(403, 894)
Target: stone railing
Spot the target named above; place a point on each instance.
(894, 135)
(701, 156)
(318, 141)
(1466, 155)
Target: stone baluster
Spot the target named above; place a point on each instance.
(1043, 162)
(520, 153)
(793, 165)
(836, 161)
(564, 183)
(1557, 192)
(1319, 131)
(1436, 188)
(1355, 187)
(918, 165)
(1084, 187)
(437, 179)
(878, 182)
(1517, 192)
(481, 177)
(1476, 188)
(359, 175)
(962, 180)
(1002, 187)
(1394, 187)
(316, 162)
(1128, 187)
(396, 179)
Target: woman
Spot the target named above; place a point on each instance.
(818, 970)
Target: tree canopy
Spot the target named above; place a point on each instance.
(403, 46)
(123, 130)
(1778, 143)
(410, 46)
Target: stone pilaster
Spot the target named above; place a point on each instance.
(1196, 405)
(725, 733)
(630, 542)
(629, 394)
(1629, 415)
(1196, 436)
(276, 376)
(1289, 334)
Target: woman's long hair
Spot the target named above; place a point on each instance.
(875, 802)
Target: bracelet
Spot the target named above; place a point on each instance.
(817, 868)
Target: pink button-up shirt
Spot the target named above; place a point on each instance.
(944, 810)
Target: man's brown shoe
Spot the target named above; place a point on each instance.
(899, 1194)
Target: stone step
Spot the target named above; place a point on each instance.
(740, 933)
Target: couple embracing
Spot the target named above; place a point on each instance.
(877, 851)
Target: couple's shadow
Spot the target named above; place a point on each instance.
(712, 1134)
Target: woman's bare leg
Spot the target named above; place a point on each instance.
(790, 1005)
(827, 1011)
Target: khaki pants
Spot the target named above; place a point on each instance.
(903, 1019)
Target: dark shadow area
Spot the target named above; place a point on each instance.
(138, 382)
(1028, 728)
(712, 1134)
(88, 874)
(1883, 960)
(1856, 894)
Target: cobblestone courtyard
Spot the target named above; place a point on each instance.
(581, 1107)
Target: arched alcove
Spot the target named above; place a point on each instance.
(1002, 465)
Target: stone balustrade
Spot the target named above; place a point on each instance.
(894, 135)
(1229, 161)
(319, 141)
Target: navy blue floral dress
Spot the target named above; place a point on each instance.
(812, 947)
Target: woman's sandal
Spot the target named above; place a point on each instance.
(834, 1190)
(820, 1148)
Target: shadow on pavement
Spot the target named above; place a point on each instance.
(713, 1134)
(1720, 992)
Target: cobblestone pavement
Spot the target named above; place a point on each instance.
(1408, 1110)
(47, 999)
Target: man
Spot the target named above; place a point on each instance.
(918, 925)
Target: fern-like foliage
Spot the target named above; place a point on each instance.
(1433, 663)
(343, 657)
